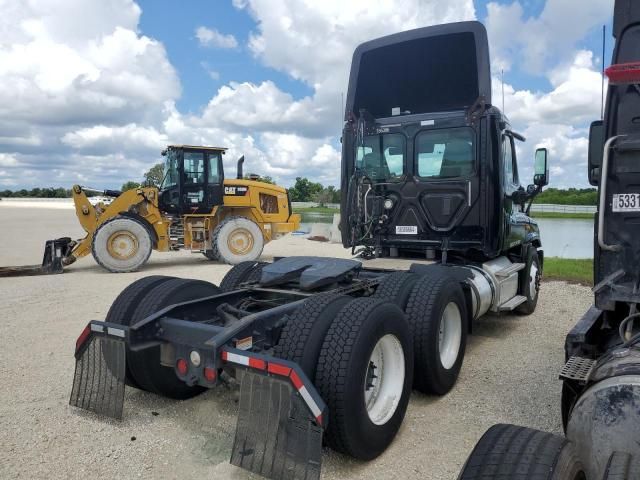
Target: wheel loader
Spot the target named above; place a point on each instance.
(328, 350)
(195, 208)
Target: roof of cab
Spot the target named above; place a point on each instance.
(199, 147)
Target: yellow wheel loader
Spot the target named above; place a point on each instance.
(195, 208)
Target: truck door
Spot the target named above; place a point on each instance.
(201, 181)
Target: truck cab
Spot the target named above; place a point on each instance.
(428, 163)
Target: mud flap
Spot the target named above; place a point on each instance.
(98, 383)
(277, 435)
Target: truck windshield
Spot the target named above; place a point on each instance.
(447, 152)
(382, 157)
(170, 170)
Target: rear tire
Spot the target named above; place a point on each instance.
(530, 283)
(237, 239)
(437, 316)
(508, 451)
(304, 333)
(365, 409)
(396, 288)
(241, 273)
(211, 255)
(122, 308)
(122, 244)
(145, 365)
(622, 466)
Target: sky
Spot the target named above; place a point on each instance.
(92, 90)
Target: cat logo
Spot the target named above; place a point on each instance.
(236, 191)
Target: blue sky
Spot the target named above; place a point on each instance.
(91, 90)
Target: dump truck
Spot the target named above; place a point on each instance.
(600, 401)
(329, 349)
(196, 208)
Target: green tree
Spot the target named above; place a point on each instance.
(304, 190)
(265, 179)
(130, 185)
(155, 175)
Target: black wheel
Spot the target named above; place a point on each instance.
(122, 244)
(622, 466)
(437, 316)
(241, 273)
(508, 451)
(237, 239)
(211, 255)
(396, 288)
(145, 365)
(122, 308)
(364, 374)
(530, 282)
(303, 334)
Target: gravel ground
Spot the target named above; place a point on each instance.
(509, 375)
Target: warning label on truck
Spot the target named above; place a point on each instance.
(406, 230)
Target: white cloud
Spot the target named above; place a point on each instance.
(7, 160)
(131, 137)
(213, 38)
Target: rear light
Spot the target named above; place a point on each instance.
(210, 374)
(182, 366)
(623, 73)
(83, 337)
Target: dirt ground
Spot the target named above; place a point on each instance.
(509, 375)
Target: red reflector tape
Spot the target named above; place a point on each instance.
(295, 379)
(83, 336)
(224, 355)
(623, 73)
(257, 363)
(279, 369)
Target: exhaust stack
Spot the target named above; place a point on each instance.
(240, 162)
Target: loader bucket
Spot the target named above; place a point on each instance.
(98, 383)
(54, 252)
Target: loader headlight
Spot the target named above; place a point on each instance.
(388, 204)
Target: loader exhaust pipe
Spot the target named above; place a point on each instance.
(240, 172)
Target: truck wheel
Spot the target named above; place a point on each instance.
(303, 334)
(241, 273)
(364, 374)
(622, 466)
(122, 244)
(237, 239)
(396, 288)
(122, 308)
(145, 365)
(508, 451)
(437, 316)
(530, 283)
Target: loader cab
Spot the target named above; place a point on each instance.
(428, 164)
(193, 179)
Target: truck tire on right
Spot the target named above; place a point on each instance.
(241, 273)
(509, 451)
(237, 239)
(364, 374)
(437, 316)
(622, 466)
(530, 282)
(396, 288)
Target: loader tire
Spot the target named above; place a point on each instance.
(396, 288)
(241, 273)
(622, 466)
(122, 308)
(237, 239)
(509, 451)
(364, 374)
(211, 255)
(122, 244)
(145, 365)
(530, 283)
(437, 315)
(305, 330)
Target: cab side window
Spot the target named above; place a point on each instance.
(193, 167)
(509, 162)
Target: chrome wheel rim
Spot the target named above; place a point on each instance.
(450, 335)
(384, 379)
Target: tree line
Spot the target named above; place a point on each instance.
(568, 196)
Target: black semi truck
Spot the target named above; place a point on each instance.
(600, 402)
(328, 349)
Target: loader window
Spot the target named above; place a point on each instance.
(213, 176)
(382, 157)
(445, 153)
(171, 170)
(193, 167)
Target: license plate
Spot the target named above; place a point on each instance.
(626, 202)
(406, 230)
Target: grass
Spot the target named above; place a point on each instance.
(578, 270)
(588, 216)
(321, 210)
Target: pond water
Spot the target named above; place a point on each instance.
(566, 238)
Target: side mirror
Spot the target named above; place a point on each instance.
(596, 147)
(541, 168)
